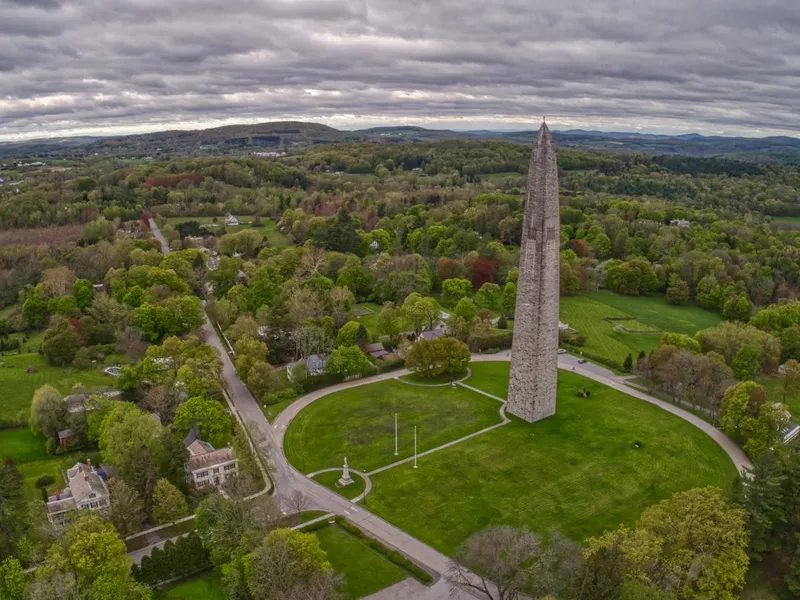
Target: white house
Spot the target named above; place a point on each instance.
(86, 490)
(231, 220)
(208, 466)
(680, 222)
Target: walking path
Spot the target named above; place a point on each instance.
(287, 480)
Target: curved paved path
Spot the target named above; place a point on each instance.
(287, 479)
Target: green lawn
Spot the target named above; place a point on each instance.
(268, 227)
(758, 587)
(18, 386)
(577, 472)
(359, 423)
(203, 586)
(365, 570)
(330, 478)
(657, 312)
(28, 451)
(773, 386)
(367, 314)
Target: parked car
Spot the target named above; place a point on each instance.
(562, 351)
(581, 361)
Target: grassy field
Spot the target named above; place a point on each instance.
(657, 312)
(365, 570)
(329, 479)
(587, 313)
(268, 228)
(203, 586)
(359, 423)
(18, 386)
(578, 472)
(773, 386)
(367, 314)
(32, 461)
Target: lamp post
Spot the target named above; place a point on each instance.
(395, 434)
(415, 446)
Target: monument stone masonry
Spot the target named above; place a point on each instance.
(534, 350)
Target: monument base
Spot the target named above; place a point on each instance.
(344, 482)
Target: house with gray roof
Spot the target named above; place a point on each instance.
(207, 465)
(86, 489)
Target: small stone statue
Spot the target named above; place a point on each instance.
(345, 479)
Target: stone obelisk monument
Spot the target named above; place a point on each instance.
(534, 351)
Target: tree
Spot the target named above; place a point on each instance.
(12, 579)
(61, 343)
(48, 412)
(34, 308)
(790, 379)
(442, 356)
(209, 416)
(132, 441)
(603, 571)
(58, 281)
(466, 309)
(490, 295)
(287, 563)
(737, 308)
(245, 325)
(510, 298)
(390, 322)
(633, 278)
(169, 504)
(83, 291)
(627, 366)
(88, 561)
(420, 312)
(455, 289)
(678, 291)
(347, 361)
(507, 562)
(747, 363)
(346, 336)
(692, 544)
(127, 510)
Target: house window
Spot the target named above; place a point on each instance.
(230, 466)
(202, 474)
(216, 470)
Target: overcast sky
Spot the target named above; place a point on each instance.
(728, 67)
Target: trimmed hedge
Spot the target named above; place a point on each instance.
(498, 339)
(180, 558)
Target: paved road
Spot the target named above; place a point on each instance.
(288, 480)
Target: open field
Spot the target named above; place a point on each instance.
(367, 314)
(657, 312)
(365, 570)
(600, 316)
(578, 472)
(18, 386)
(268, 228)
(359, 423)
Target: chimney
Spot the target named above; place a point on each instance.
(58, 494)
(89, 464)
(80, 468)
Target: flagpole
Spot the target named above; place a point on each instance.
(395, 434)
(415, 446)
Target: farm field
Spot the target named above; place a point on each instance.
(268, 228)
(359, 423)
(18, 386)
(578, 472)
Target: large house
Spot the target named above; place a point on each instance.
(86, 490)
(208, 466)
(315, 365)
(231, 220)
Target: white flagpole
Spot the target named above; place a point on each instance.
(415, 446)
(395, 434)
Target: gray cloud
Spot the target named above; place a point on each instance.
(108, 66)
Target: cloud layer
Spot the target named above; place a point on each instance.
(107, 66)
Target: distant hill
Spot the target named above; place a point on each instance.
(286, 135)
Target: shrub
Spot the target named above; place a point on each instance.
(285, 394)
(180, 558)
(44, 481)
